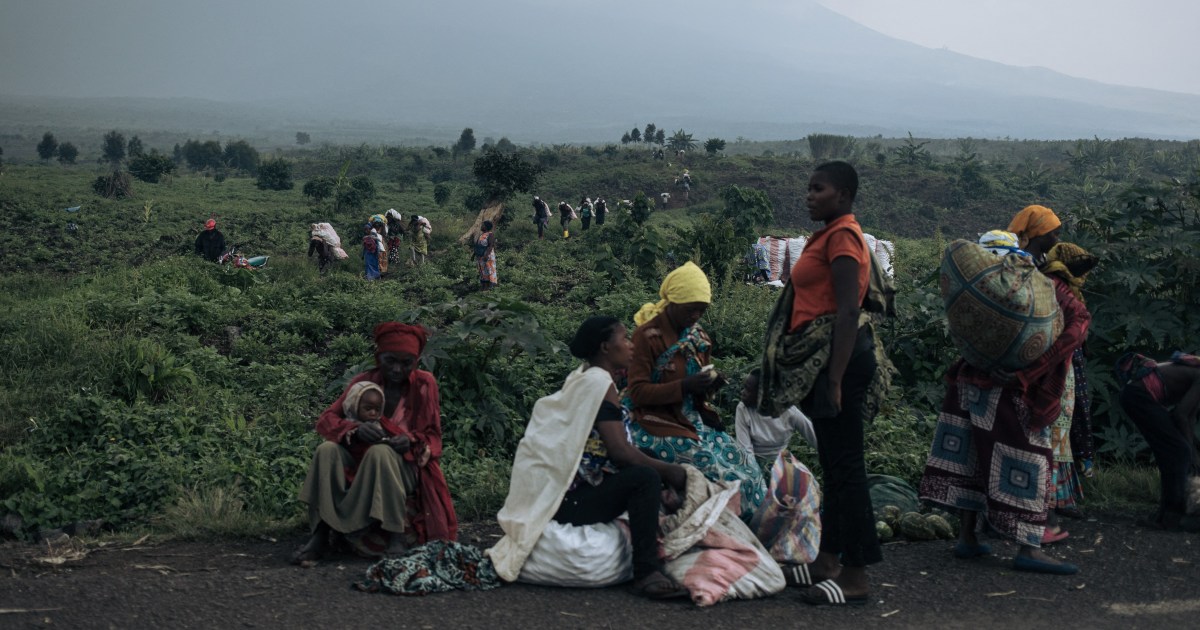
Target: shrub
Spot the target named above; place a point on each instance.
(319, 188)
(67, 153)
(275, 175)
(115, 186)
(47, 147)
(151, 167)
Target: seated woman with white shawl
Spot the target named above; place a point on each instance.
(577, 465)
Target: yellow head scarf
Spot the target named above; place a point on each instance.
(1064, 257)
(686, 284)
(1033, 222)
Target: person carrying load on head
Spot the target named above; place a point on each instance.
(421, 230)
(395, 234)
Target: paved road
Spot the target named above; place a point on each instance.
(1131, 578)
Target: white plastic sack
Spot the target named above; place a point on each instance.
(585, 556)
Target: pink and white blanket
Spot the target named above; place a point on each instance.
(711, 552)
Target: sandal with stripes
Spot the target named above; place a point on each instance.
(828, 593)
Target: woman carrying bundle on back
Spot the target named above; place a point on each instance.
(991, 450)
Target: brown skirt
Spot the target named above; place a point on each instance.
(381, 486)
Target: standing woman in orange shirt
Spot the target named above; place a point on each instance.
(821, 353)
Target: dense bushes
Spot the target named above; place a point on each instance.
(172, 382)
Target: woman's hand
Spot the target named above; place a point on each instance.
(697, 383)
(369, 433)
(399, 443)
(675, 476)
(835, 395)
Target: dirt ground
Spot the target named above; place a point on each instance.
(1130, 578)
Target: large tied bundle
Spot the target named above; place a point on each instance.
(1002, 311)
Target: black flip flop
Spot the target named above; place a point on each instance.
(828, 593)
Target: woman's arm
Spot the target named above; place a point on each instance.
(1076, 320)
(425, 426)
(642, 390)
(844, 270)
(625, 454)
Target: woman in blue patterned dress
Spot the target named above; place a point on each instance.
(669, 381)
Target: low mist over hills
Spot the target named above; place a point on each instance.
(587, 71)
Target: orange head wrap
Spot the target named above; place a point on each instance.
(397, 337)
(1032, 222)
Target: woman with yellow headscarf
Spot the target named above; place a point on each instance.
(669, 381)
(1071, 434)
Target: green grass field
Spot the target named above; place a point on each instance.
(146, 387)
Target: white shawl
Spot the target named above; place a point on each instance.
(545, 464)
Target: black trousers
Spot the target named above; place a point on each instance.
(1171, 447)
(847, 520)
(636, 489)
(587, 222)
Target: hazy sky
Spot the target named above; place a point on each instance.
(224, 49)
(1143, 43)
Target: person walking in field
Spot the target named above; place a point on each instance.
(485, 257)
(379, 228)
(565, 214)
(601, 210)
(541, 215)
(421, 229)
(585, 212)
(210, 243)
(370, 253)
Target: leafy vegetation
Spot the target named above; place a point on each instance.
(141, 384)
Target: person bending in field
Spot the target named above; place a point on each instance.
(1163, 399)
(541, 215)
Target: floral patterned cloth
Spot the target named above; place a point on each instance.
(437, 566)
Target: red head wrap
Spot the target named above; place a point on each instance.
(397, 337)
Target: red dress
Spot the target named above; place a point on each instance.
(420, 419)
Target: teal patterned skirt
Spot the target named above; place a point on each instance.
(716, 454)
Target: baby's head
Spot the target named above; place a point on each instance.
(364, 402)
(749, 394)
(370, 406)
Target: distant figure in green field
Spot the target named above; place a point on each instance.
(541, 215)
(601, 210)
(585, 212)
(370, 253)
(421, 229)
(484, 252)
(565, 214)
(210, 243)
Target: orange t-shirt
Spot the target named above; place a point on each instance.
(812, 277)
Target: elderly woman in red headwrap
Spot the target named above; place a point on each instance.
(379, 484)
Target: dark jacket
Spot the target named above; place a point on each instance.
(210, 244)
